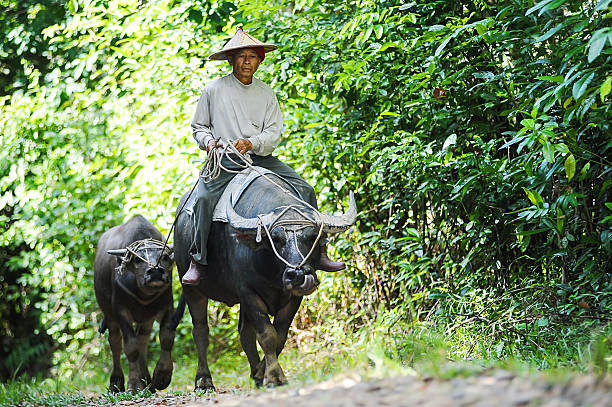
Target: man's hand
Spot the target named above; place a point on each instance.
(212, 144)
(243, 146)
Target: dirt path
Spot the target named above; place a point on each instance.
(497, 388)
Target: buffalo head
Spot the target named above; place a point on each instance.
(294, 234)
(146, 264)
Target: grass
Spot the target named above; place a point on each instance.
(383, 347)
(39, 392)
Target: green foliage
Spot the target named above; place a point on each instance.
(22, 44)
(473, 135)
(55, 160)
(476, 135)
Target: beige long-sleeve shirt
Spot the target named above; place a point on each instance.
(229, 110)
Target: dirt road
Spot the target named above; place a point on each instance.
(496, 388)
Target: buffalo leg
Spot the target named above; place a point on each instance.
(198, 308)
(249, 345)
(117, 380)
(143, 334)
(283, 320)
(267, 338)
(163, 370)
(133, 352)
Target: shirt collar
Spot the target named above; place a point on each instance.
(236, 80)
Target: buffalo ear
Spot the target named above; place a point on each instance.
(172, 256)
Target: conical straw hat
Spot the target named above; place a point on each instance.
(240, 40)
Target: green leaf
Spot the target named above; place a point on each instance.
(549, 33)
(73, 6)
(562, 148)
(537, 6)
(436, 27)
(386, 46)
(548, 150)
(554, 4)
(529, 124)
(560, 220)
(442, 45)
(581, 85)
(570, 167)
(534, 197)
(598, 41)
(605, 88)
(557, 78)
(584, 172)
(602, 5)
(450, 140)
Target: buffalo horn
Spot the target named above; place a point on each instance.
(117, 252)
(339, 223)
(240, 223)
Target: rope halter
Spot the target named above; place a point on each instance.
(289, 225)
(133, 251)
(145, 246)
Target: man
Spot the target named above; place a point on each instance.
(239, 109)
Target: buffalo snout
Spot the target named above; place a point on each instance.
(300, 280)
(156, 276)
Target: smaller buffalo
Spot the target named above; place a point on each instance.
(133, 285)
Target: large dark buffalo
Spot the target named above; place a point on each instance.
(133, 289)
(243, 268)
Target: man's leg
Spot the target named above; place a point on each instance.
(308, 194)
(207, 196)
(277, 166)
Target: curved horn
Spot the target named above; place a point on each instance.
(117, 252)
(339, 223)
(238, 222)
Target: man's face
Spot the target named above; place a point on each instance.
(244, 63)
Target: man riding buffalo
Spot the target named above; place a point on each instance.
(263, 252)
(241, 110)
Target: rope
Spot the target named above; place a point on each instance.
(211, 171)
(214, 167)
(133, 249)
(294, 222)
(146, 245)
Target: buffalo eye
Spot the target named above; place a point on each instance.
(279, 239)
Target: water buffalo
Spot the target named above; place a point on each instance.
(133, 289)
(265, 259)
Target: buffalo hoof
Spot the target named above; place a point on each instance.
(205, 383)
(258, 381)
(259, 373)
(117, 384)
(275, 377)
(135, 386)
(161, 379)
